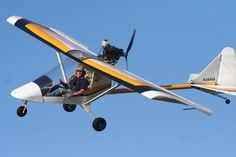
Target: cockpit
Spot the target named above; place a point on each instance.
(53, 77)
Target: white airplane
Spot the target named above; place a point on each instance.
(105, 78)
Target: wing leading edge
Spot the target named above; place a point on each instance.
(81, 54)
(50, 36)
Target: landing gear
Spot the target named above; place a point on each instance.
(22, 110)
(69, 107)
(227, 101)
(99, 124)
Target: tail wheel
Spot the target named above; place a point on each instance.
(99, 124)
(227, 101)
(21, 111)
(69, 107)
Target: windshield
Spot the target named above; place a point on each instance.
(51, 78)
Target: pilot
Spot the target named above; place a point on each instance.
(76, 86)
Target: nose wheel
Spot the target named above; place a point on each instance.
(69, 107)
(22, 110)
(99, 124)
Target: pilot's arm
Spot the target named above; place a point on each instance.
(83, 89)
(80, 92)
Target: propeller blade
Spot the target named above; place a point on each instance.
(130, 43)
(126, 62)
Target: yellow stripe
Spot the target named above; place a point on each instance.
(38, 30)
(90, 91)
(122, 91)
(177, 86)
(207, 83)
(168, 87)
(115, 73)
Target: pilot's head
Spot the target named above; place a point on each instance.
(80, 72)
(105, 42)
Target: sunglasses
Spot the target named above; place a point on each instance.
(79, 71)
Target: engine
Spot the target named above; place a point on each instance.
(112, 54)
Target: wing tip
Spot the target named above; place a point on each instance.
(209, 112)
(203, 109)
(13, 19)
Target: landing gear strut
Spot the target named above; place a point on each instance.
(99, 124)
(227, 101)
(22, 110)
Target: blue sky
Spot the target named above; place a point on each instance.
(174, 38)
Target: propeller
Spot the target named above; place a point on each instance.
(129, 47)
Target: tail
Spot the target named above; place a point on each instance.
(221, 71)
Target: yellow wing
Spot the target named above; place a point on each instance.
(50, 36)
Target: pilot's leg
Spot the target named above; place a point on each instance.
(57, 91)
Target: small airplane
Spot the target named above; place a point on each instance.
(105, 78)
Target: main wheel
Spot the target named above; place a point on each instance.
(21, 111)
(69, 107)
(99, 124)
(227, 101)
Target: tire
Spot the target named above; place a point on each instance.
(69, 107)
(227, 101)
(99, 124)
(21, 111)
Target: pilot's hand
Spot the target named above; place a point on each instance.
(63, 84)
(68, 95)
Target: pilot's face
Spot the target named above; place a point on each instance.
(79, 73)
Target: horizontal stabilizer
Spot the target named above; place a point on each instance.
(214, 89)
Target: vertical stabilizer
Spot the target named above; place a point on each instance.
(221, 71)
(209, 75)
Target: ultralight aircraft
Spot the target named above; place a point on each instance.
(106, 78)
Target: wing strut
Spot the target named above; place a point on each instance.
(61, 66)
(103, 93)
(85, 105)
